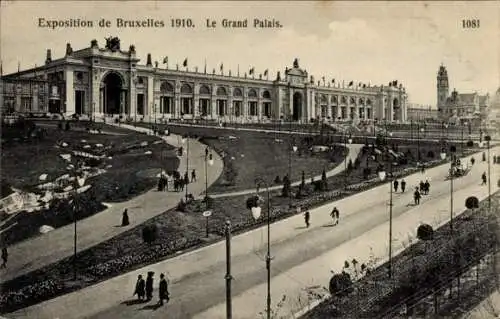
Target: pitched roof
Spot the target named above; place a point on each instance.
(467, 97)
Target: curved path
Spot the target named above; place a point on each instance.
(354, 150)
(37, 252)
(302, 257)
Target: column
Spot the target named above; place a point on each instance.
(149, 107)
(34, 101)
(329, 111)
(70, 92)
(132, 96)
(244, 108)
(230, 107)
(213, 102)
(196, 100)
(95, 92)
(259, 104)
(390, 108)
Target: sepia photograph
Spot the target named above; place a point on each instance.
(249, 159)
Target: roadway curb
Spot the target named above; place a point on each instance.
(379, 263)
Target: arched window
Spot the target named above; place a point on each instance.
(166, 87)
(361, 101)
(353, 101)
(204, 90)
(237, 92)
(395, 103)
(186, 89)
(324, 99)
(344, 100)
(266, 94)
(368, 102)
(252, 93)
(221, 91)
(334, 99)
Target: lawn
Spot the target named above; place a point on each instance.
(178, 229)
(249, 154)
(421, 273)
(123, 170)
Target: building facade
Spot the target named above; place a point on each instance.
(427, 113)
(459, 107)
(109, 82)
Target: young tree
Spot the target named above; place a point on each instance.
(324, 183)
(303, 182)
(350, 166)
(285, 191)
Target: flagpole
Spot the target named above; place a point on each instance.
(205, 66)
(238, 70)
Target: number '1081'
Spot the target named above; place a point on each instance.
(470, 23)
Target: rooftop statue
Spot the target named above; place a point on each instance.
(296, 63)
(113, 43)
(69, 50)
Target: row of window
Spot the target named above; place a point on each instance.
(167, 87)
(167, 107)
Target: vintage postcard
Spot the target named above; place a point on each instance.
(246, 159)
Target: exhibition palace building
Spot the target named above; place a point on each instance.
(108, 81)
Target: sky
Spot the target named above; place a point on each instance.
(368, 42)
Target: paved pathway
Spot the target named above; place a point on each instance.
(487, 309)
(303, 257)
(354, 150)
(40, 251)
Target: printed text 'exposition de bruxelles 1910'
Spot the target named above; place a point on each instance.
(155, 23)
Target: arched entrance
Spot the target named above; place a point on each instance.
(112, 94)
(297, 106)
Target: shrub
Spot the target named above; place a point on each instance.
(430, 154)
(285, 191)
(252, 201)
(67, 126)
(277, 179)
(182, 206)
(324, 183)
(357, 163)
(149, 233)
(425, 232)
(470, 143)
(60, 125)
(340, 284)
(366, 172)
(350, 166)
(230, 173)
(208, 201)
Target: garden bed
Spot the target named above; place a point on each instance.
(122, 170)
(248, 154)
(177, 231)
(423, 268)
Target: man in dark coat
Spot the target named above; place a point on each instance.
(403, 185)
(140, 288)
(416, 196)
(307, 216)
(149, 286)
(163, 291)
(427, 186)
(396, 183)
(186, 178)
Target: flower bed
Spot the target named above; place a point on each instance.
(423, 267)
(120, 158)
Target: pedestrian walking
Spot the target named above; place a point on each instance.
(125, 220)
(149, 286)
(396, 183)
(484, 178)
(307, 216)
(427, 186)
(163, 290)
(421, 187)
(140, 288)
(403, 185)
(5, 256)
(193, 175)
(186, 178)
(335, 216)
(416, 196)
(472, 160)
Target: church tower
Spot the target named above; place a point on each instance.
(442, 90)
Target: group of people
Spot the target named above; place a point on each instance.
(334, 214)
(396, 185)
(178, 181)
(144, 289)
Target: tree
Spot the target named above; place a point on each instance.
(303, 183)
(350, 166)
(340, 284)
(230, 174)
(324, 183)
(285, 191)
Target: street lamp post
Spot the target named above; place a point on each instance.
(346, 140)
(256, 212)
(228, 277)
(420, 130)
(293, 149)
(382, 176)
(208, 161)
(185, 140)
(462, 139)
(453, 150)
(79, 182)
